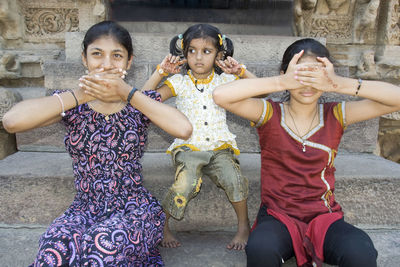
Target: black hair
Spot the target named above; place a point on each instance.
(108, 28)
(310, 46)
(179, 45)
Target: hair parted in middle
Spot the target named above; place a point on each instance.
(179, 45)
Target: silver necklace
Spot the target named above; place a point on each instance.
(303, 140)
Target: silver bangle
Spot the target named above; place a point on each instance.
(62, 104)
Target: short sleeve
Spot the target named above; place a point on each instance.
(175, 83)
(339, 111)
(265, 115)
(71, 114)
(226, 78)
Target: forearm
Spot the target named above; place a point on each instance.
(237, 91)
(381, 92)
(153, 82)
(33, 113)
(164, 116)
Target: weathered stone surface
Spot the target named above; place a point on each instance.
(8, 144)
(198, 249)
(367, 187)
(11, 22)
(389, 141)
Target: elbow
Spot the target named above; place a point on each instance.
(186, 131)
(9, 124)
(218, 98)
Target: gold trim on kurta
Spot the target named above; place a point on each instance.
(168, 83)
(265, 115)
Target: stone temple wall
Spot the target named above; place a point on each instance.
(32, 32)
(363, 35)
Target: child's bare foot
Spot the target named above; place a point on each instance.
(169, 240)
(239, 241)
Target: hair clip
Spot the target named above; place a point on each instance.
(220, 39)
(180, 36)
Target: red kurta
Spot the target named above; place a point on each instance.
(297, 186)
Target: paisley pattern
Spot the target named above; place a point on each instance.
(113, 220)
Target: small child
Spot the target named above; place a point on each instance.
(207, 57)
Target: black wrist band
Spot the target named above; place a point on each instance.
(76, 100)
(130, 95)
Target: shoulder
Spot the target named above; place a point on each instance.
(175, 82)
(337, 109)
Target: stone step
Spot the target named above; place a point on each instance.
(36, 187)
(20, 243)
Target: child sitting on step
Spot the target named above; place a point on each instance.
(207, 57)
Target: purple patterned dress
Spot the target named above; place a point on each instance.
(113, 220)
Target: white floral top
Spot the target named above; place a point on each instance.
(210, 130)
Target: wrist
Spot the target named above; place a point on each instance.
(160, 71)
(242, 70)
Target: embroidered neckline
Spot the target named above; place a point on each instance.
(201, 81)
(304, 139)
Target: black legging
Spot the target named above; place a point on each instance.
(270, 244)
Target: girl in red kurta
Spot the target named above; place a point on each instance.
(299, 138)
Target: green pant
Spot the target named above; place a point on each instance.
(221, 166)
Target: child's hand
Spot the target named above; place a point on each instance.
(320, 76)
(172, 64)
(229, 65)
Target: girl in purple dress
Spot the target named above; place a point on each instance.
(113, 220)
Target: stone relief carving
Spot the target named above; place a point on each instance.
(365, 21)
(366, 67)
(392, 35)
(324, 18)
(10, 67)
(299, 6)
(48, 21)
(335, 5)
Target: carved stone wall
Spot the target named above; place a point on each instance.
(363, 35)
(32, 32)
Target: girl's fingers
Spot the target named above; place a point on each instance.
(296, 58)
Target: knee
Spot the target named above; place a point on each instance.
(359, 253)
(260, 253)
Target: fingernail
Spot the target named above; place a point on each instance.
(80, 85)
(295, 77)
(301, 82)
(81, 79)
(96, 75)
(124, 72)
(123, 76)
(295, 72)
(120, 70)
